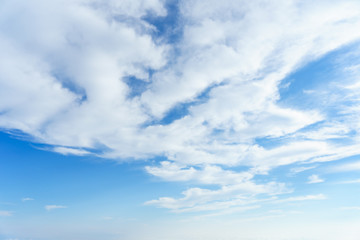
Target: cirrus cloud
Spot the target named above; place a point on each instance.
(52, 207)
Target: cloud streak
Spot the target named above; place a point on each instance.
(53, 207)
(27, 199)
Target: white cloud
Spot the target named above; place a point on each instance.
(331, 131)
(93, 101)
(303, 198)
(72, 151)
(301, 169)
(25, 199)
(249, 36)
(228, 211)
(68, 66)
(346, 167)
(315, 179)
(200, 199)
(52, 207)
(207, 175)
(350, 181)
(39, 68)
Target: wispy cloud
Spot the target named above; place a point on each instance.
(27, 199)
(297, 170)
(315, 179)
(229, 211)
(200, 199)
(350, 181)
(302, 198)
(346, 167)
(52, 207)
(5, 213)
(210, 174)
(71, 151)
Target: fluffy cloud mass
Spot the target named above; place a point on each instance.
(105, 78)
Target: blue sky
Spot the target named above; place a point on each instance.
(179, 120)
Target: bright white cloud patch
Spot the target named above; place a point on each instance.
(89, 77)
(315, 179)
